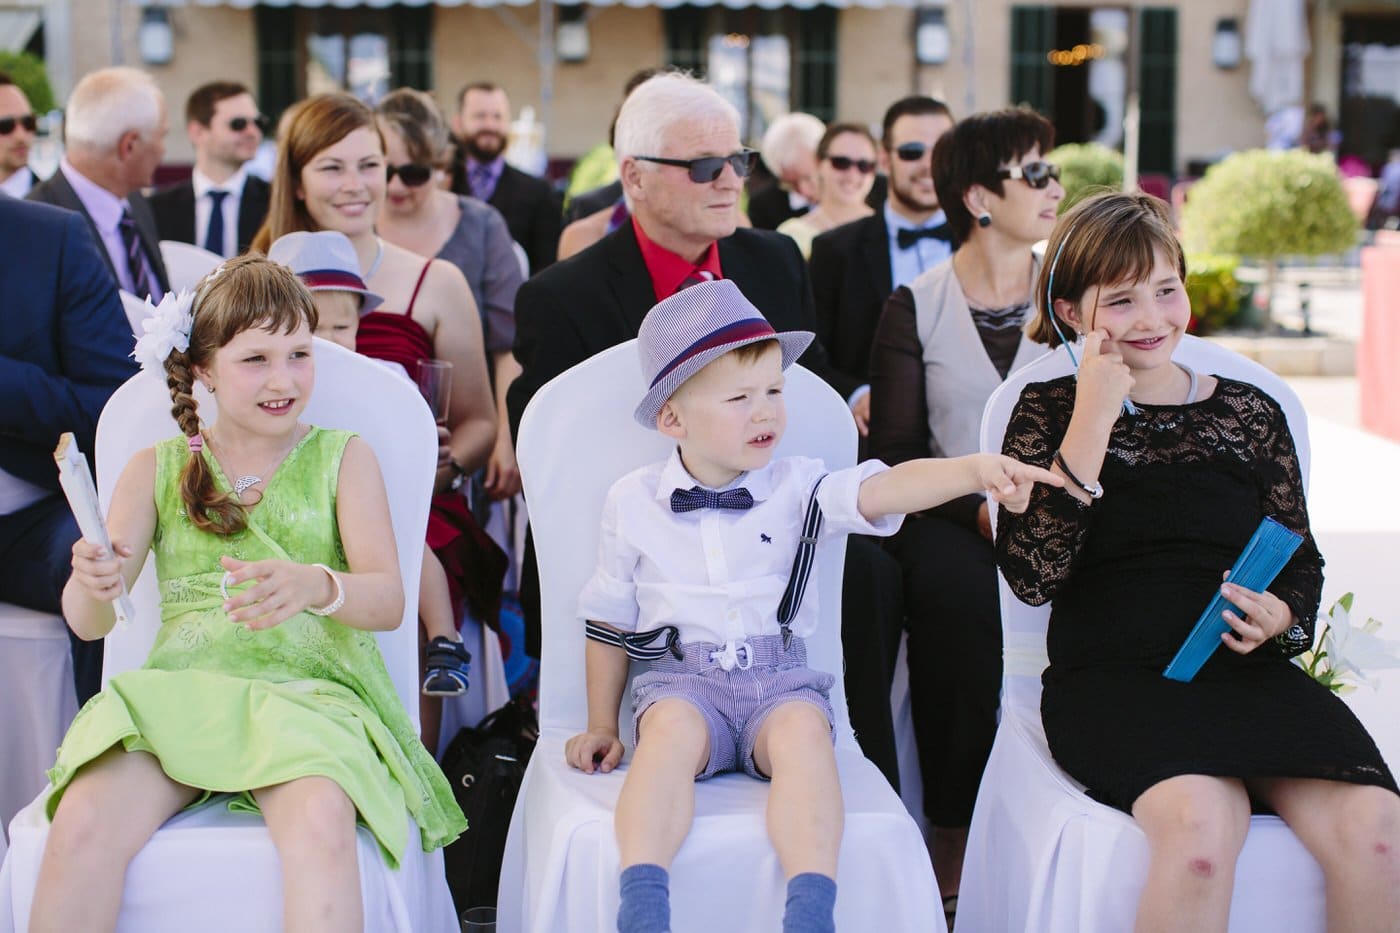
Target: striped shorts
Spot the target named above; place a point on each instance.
(734, 702)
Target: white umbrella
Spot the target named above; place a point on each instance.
(1276, 42)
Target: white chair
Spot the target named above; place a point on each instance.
(522, 257)
(186, 263)
(37, 700)
(1041, 855)
(560, 868)
(136, 311)
(209, 869)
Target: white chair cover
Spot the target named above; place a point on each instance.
(37, 701)
(186, 263)
(1041, 855)
(136, 310)
(561, 863)
(209, 869)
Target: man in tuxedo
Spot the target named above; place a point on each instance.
(221, 206)
(16, 136)
(530, 206)
(64, 348)
(683, 168)
(856, 266)
(114, 127)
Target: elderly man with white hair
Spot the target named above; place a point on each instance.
(789, 149)
(683, 168)
(114, 129)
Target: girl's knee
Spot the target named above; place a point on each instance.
(1368, 827)
(323, 818)
(1203, 821)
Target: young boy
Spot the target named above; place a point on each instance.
(693, 571)
(326, 263)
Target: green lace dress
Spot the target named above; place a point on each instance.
(225, 709)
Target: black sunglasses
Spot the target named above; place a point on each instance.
(842, 163)
(912, 152)
(707, 169)
(412, 174)
(239, 124)
(8, 124)
(1035, 174)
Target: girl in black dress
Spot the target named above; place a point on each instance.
(1162, 493)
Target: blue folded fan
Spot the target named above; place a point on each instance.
(1260, 561)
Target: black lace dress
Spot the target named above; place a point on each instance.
(1185, 487)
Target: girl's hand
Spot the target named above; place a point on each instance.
(444, 451)
(97, 571)
(595, 748)
(502, 478)
(1104, 380)
(1008, 482)
(283, 589)
(1265, 617)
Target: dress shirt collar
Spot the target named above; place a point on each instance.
(496, 166)
(104, 207)
(669, 270)
(203, 184)
(18, 184)
(675, 476)
(896, 222)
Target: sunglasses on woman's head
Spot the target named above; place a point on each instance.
(708, 168)
(239, 124)
(843, 163)
(412, 174)
(912, 152)
(1035, 174)
(8, 124)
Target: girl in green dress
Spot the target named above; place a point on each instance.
(275, 565)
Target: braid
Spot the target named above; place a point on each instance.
(207, 509)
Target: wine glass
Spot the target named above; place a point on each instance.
(435, 382)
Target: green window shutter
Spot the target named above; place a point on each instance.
(814, 69)
(410, 47)
(1157, 90)
(685, 39)
(1032, 38)
(277, 59)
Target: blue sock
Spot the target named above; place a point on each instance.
(646, 900)
(811, 904)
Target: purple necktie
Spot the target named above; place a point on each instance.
(135, 256)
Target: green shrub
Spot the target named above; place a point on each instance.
(1086, 168)
(29, 74)
(1214, 291)
(1267, 205)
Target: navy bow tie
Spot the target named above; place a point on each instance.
(908, 236)
(688, 500)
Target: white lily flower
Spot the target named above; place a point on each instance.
(1356, 651)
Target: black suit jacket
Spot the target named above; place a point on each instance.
(58, 192)
(597, 299)
(592, 201)
(851, 279)
(530, 206)
(770, 207)
(174, 212)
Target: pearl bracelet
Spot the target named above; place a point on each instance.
(334, 605)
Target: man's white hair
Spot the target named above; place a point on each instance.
(788, 138)
(657, 105)
(108, 103)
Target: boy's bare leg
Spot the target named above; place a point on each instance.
(312, 823)
(657, 803)
(109, 811)
(435, 599)
(805, 812)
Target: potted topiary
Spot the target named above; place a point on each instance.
(1266, 205)
(29, 75)
(1086, 168)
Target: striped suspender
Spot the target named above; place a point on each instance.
(801, 565)
(640, 646)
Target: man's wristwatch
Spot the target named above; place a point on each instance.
(459, 475)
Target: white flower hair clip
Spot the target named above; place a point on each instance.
(166, 328)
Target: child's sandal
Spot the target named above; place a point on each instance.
(449, 664)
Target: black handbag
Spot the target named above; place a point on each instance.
(485, 766)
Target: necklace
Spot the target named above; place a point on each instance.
(378, 258)
(247, 481)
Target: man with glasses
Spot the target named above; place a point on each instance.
(221, 206)
(17, 128)
(856, 266)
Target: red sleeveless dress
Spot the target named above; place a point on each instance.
(474, 563)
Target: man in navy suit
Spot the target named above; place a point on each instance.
(64, 348)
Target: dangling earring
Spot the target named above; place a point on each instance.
(984, 220)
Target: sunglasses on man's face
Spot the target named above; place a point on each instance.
(708, 168)
(845, 163)
(412, 174)
(912, 152)
(239, 124)
(8, 124)
(1035, 174)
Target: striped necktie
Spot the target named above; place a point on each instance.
(695, 277)
(135, 256)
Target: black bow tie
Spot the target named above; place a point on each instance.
(907, 237)
(688, 500)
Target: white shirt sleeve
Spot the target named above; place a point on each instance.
(839, 496)
(610, 595)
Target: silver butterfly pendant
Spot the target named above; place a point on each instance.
(244, 483)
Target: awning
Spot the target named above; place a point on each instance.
(17, 27)
(636, 4)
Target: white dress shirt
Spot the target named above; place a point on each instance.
(204, 205)
(906, 265)
(106, 210)
(716, 574)
(18, 184)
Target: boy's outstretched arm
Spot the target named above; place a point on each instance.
(916, 485)
(599, 747)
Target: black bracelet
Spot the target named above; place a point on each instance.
(1092, 490)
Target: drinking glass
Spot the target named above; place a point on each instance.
(435, 382)
(479, 920)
